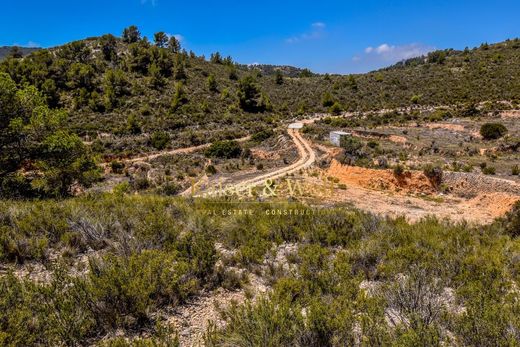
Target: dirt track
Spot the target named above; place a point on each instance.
(175, 151)
(307, 158)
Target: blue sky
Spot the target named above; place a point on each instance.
(326, 36)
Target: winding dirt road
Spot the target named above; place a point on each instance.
(307, 159)
(177, 151)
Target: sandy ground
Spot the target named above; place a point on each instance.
(478, 210)
(379, 192)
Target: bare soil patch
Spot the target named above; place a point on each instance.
(446, 126)
(474, 198)
(411, 182)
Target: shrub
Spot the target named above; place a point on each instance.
(415, 99)
(224, 149)
(515, 170)
(127, 288)
(492, 131)
(117, 166)
(351, 144)
(159, 140)
(488, 170)
(434, 174)
(327, 100)
(170, 189)
(263, 323)
(122, 188)
(262, 135)
(512, 221)
(141, 183)
(399, 170)
(373, 144)
(336, 109)
(211, 170)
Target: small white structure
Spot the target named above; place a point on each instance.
(335, 137)
(295, 125)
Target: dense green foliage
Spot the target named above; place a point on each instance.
(492, 131)
(224, 149)
(37, 155)
(103, 80)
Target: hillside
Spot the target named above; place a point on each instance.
(104, 81)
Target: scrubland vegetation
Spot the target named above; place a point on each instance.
(129, 85)
(111, 269)
(353, 277)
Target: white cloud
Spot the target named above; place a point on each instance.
(394, 53)
(179, 37)
(384, 48)
(318, 30)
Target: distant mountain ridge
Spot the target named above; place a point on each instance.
(286, 70)
(6, 50)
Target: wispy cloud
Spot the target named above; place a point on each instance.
(179, 37)
(394, 53)
(29, 44)
(317, 31)
(151, 2)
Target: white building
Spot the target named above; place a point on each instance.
(335, 137)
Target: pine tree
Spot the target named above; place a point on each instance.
(160, 39)
(131, 34)
(174, 45)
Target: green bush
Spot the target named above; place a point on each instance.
(512, 221)
(399, 170)
(492, 131)
(336, 109)
(264, 323)
(224, 149)
(159, 140)
(262, 135)
(169, 189)
(488, 170)
(351, 144)
(126, 289)
(434, 174)
(117, 166)
(211, 170)
(327, 100)
(154, 252)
